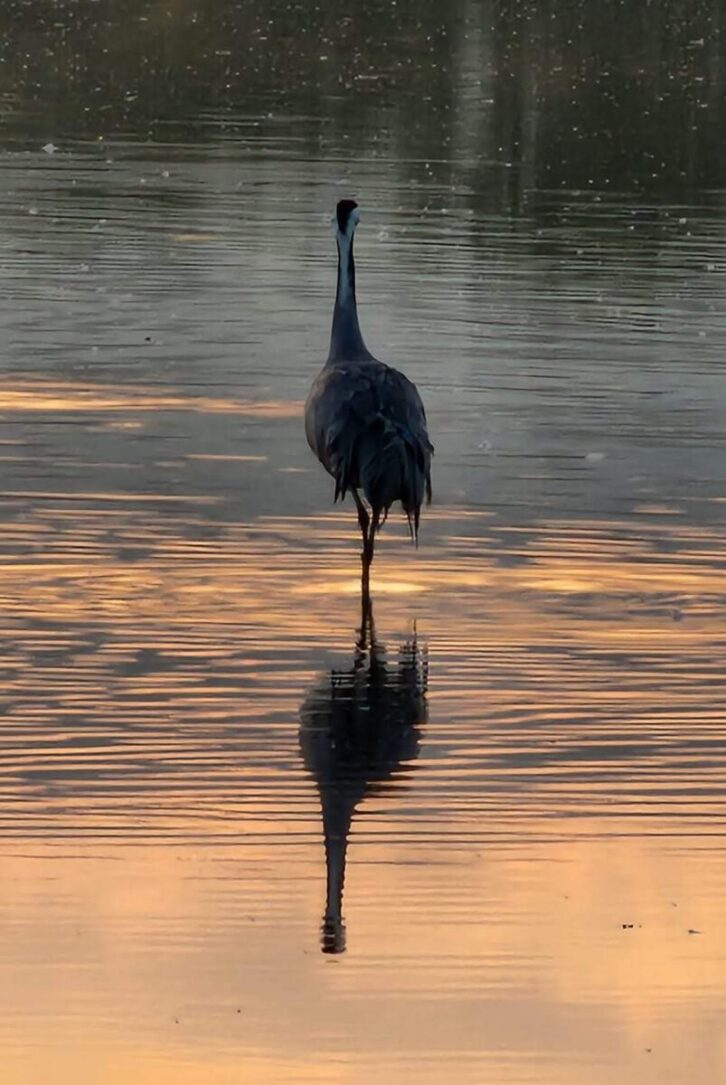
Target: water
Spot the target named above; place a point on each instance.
(528, 768)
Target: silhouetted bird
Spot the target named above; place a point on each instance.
(364, 420)
(358, 727)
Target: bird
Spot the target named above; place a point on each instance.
(360, 731)
(364, 420)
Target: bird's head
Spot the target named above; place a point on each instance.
(347, 217)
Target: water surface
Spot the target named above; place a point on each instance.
(525, 774)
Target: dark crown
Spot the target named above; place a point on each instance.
(343, 211)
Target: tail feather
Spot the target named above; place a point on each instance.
(388, 462)
(394, 467)
(342, 451)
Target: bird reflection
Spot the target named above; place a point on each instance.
(358, 727)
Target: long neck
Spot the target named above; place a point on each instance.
(346, 341)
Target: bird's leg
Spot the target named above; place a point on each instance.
(363, 517)
(365, 580)
(365, 622)
(375, 524)
(367, 557)
(364, 523)
(371, 626)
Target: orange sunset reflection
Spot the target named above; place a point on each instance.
(555, 815)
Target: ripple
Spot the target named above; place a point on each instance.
(533, 843)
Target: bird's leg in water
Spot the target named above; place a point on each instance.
(368, 549)
(365, 580)
(364, 523)
(361, 645)
(366, 622)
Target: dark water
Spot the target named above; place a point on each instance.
(525, 771)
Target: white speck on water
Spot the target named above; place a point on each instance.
(50, 148)
(594, 457)
(32, 210)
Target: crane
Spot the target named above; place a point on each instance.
(364, 420)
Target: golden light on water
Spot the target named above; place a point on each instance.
(252, 833)
(535, 892)
(38, 395)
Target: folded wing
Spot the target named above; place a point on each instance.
(367, 425)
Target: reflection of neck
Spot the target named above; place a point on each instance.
(335, 849)
(338, 807)
(346, 341)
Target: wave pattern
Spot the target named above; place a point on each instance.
(525, 864)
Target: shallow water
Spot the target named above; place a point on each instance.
(529, 768)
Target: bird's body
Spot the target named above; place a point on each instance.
(363, 419)
(366, 424)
